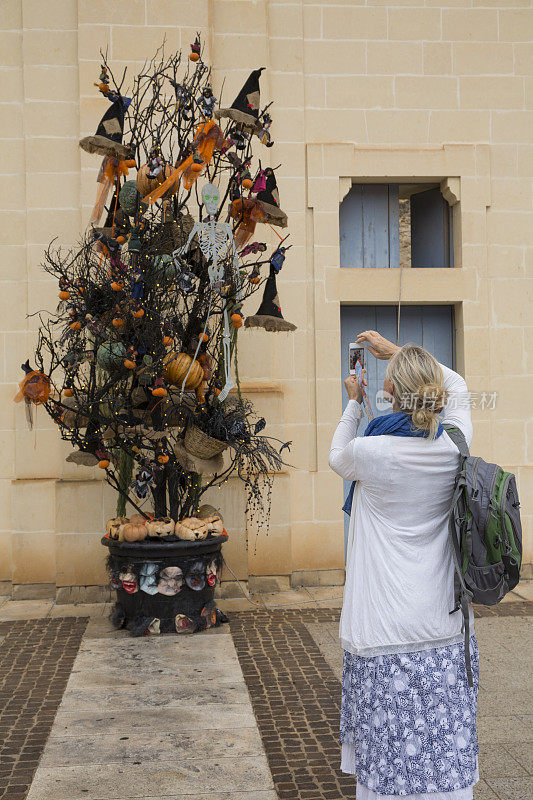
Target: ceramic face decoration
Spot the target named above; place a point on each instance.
(184, 624)
(170, 580)
(148, 581)
(115, 581)
(128, 579)
(211, 573)
(195, 578)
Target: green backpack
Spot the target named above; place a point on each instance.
(485, 532)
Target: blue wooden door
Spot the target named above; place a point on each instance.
(431, 327)
(369, 227)
(431, 230)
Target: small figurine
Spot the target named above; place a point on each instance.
(156, 162)
(136, 235)
(207, 102)
(264, 135)
(278, 257)
(137, 283)
(195, 50)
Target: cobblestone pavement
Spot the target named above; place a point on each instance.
(260, 699)
(36, 658)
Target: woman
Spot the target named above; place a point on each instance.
(408, 716)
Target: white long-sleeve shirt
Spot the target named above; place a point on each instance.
(399, 570)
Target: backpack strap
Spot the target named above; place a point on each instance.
(458, 438)
(463, 596)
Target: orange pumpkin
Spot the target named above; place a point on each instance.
(75, 326)
(129, 364)
(176, 367)
(159, 391)
(104, 463)
(117, 322)
(167, 341)
(205, 337)
(163, 459)
(194, 57)
(147, 185)
(236, 320)
(196, 166)
(138, 313)
(64, 295)
(121, 239)
(247, 183)
(68, 392)
(116, 286)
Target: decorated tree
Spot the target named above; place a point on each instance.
(136, 364)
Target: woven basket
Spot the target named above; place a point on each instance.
(199, 444)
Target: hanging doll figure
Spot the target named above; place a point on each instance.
(264, 133)
(156, 163)
(207, 102)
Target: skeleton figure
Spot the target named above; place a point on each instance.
(215, 240)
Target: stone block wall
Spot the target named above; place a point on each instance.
(363, 91)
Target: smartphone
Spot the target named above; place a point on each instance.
(356, 354)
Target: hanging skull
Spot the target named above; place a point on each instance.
(170, 581)
(195, 578)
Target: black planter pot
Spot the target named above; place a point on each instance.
(137, 569)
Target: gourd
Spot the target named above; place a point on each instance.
(111, 355)
(176, 367)
(133, 531)
(145, 185)
(128, 198)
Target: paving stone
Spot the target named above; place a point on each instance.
(512, 788)
(497, 761)
(141, 747)
(150, 673)
(180, 776)
(163, 695)
(25, 609)
(78, 610)
(184, 718)
(482, 791)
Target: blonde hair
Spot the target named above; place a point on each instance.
(418, 386)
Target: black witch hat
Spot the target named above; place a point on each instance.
(269, 201)
(245, 107)
(107, 141)
(269, 314)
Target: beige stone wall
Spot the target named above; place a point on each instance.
(372, 90)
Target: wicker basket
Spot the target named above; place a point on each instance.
(199, 444)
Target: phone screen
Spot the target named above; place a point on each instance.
(357, 354)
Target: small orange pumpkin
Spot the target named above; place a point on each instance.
(138, 313)
(194, 57)
(117, 322)
(129, 364)
(68, 392)
(121, 239)
(159, 391)
(167, 341)
(163, 459)
(205, 337)
(247, 183)
(196, 166)
(75, 326)
(236, 320)
(104, 463)
(64, 295)
(117, 286)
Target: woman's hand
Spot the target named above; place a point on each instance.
(379, 346)
(353, 387)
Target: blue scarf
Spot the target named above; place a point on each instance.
(395, 424)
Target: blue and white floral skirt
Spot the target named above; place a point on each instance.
(408, 722)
